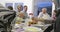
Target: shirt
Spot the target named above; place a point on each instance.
(25, 14)
(44, 16)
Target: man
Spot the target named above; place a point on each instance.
(44, 14)
(25, 11)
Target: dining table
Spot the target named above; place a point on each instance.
(41, 24)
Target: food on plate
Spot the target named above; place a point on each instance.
(19, 19)
(33, 21)
(18, 22)
(32, 29)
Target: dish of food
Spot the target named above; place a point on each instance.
(32, 29)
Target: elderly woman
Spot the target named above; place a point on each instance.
(44, 14)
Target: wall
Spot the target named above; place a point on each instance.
(29, 3)
(26, 2)
(37, 1)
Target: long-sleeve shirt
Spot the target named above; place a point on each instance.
(25, 14)
(44, 16)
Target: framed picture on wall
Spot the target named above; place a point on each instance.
(16, 5)
(9, 6)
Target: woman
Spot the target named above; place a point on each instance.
(50, 28)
